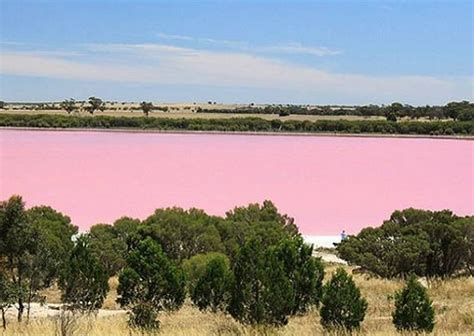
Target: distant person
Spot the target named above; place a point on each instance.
(343, 235)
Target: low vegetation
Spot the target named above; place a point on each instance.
(247, 273)
(250, 124)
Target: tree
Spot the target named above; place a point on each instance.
(413, 308)
(16, 246)
(7, 296)
(69, 105)
(95, 104)
(264, 221)
(342, 305)
(84, 283)
(195, 267)
(391, 116)
(108, 247)
(305, 272)
(53, 243)
(212, 288)
(261, 291)
(146, 107)
(2, 104)
(149, 284)
(426, 243)
(182, 233)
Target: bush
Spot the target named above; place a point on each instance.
(261, 293)
(212, 288)
(84, 283)
(149, 283)
(195, 267)
(426, 243)
(342, 305)
(413, 308)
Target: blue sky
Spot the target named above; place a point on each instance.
(327, 52)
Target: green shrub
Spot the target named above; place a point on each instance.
(149, 284)
(413, 308)
(212, 288)
(342, 304)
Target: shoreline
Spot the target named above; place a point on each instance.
(252, 133)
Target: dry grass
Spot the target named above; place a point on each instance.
(187, 114)
(453, 302)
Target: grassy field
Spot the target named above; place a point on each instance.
(453, 302)
(187, 114)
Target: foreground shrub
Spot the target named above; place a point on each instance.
(212, 288)
(413, 308)
(305, 273)
(342, 305)
(149, 284)
(84, 283)
(261, 294)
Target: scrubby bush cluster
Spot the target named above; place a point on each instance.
(252, 264)
(240, 124)
(463, 110)
(412, 241)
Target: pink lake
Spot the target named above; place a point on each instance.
(326, 183)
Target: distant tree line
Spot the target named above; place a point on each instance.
(241, 124)
(251, 263)
(463, 111)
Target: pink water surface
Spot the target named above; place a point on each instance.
(326, 183)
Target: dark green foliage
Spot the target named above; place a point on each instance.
(342, 305)
(146, 107)
(68, 105)
(195, 267)
(17, 245)
(95, 104)
(84, 283)
(413, 308)
(149, 284)
(426, 243)
(182, 233)
(305, 273)
(108, 247)
(250, 124)
(262, 293)
(391, 116)
(8, 296)
(144, 316)
(212, 287)
(255, 220)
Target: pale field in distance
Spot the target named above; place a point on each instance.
(182, 111)
(453, 302)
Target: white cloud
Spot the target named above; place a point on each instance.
(298, 48)
(165, 64)
(290, 48)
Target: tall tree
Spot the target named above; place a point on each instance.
(304, 271)
(69, 105)
(95, 104)
(17, 244)
(146, 107)
(149, 284)
(261, 292)
(84, 283)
